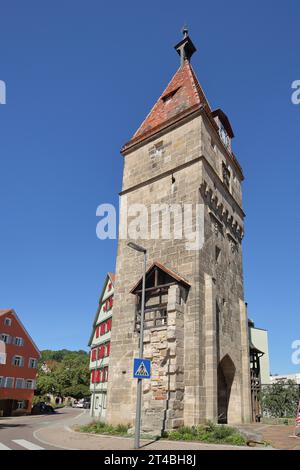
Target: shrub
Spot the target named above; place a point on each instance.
(98, 427)
(212, 433)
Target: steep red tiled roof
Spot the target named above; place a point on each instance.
(5, 311)
(182, 95)
(11, 311)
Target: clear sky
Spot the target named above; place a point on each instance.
(81, 75)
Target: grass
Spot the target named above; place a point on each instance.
(210, 433)
(97, 427)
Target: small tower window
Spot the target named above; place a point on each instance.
(157, 150)
(213, 144)
(217, 254)
(226, 175)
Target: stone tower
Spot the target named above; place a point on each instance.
(196, 322)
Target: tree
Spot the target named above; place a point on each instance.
(63, 373)
(280, 399)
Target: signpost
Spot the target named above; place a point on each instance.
(141, 351)
(142, 369)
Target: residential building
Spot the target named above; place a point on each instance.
(18, 365)
(181, 162)
(259, 340)
(100, 349)
(285, 377)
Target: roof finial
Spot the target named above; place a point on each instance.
(185, 31)
(185, 47)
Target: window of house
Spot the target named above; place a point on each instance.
(94, 351)
(1, 382)
(9, 382)
(105, 374)
(97, 376)
(18, 341)
(17, 361)
(5, 338)
(7, 321)
(107, 349)
(21, 405)
(93, 376)
(2, 358)
(96, 402)
(97, 332)
(29, 384)
(19, 383)
(32, 364)
(101, 352)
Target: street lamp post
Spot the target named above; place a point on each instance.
(141, 350)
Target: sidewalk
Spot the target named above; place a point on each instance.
(278, 436)
(62, 435)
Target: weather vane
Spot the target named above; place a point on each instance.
(185, 31)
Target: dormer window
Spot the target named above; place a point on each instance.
(168, 97)
(7, 321)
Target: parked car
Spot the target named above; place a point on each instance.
(41, 408)
(83, 403)
(87, 403)
(78, 404)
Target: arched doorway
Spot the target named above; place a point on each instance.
(226, 373)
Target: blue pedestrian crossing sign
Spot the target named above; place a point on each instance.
(142, 369)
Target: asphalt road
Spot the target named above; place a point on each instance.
(17, 433)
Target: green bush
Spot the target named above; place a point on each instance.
(212, 433)
(98, 427)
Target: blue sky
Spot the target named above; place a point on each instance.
(81, 76)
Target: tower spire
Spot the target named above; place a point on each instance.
(185, 48)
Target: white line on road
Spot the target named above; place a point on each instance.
(28, 445)
(4, 447)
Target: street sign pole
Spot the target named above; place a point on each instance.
(139, 383)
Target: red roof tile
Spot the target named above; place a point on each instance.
(5, 311)
(182, 94)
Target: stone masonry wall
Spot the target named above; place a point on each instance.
(163, 395)
(212, 326)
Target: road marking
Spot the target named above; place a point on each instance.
(28, 445)
(4, 447)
